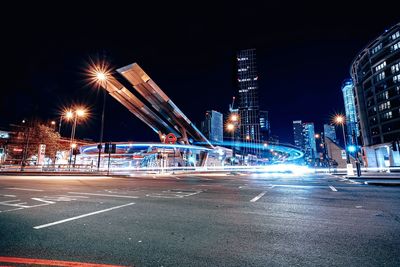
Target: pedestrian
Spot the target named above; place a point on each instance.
(358, 166)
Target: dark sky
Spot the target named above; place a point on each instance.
(304, 52)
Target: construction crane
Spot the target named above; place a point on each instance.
(231, 105)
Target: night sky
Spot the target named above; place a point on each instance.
(304, 53)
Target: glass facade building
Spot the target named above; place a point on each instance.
(353, 133)
(265, 129)
(212, 126)
(330, 132)
(249, 113)
(304, 138)
(376, 75)
(298, 134)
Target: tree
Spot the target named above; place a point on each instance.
(42, 134)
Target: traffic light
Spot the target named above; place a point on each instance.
(113, 148)
(106, 147)
(351, 148)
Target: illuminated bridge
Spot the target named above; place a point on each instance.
(135, 90)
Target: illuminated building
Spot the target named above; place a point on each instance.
(265, 130)
(351, 116)
(248, 100)
(330, 132)
(304, 138)
(212, 126)
(376, 75)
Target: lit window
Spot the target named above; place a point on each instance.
(384, 106)
(395, 68)
(380, 66)
(388, 115)
(395, 46)
(396, 78)
(376, 48)
(380, 76)
(395, 35)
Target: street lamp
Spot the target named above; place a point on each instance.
(99, 74)
(341, 120)
(80, 112)
(230, 127)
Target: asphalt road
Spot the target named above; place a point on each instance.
(199, 220)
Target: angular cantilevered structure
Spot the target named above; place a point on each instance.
(155, 109)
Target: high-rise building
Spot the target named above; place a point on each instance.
(212, 126)
(350, 109)
(376, 76)
(248, 100)
(330, 132)
(265, 130)
(304, 138)
(298, 134)
(310, 148)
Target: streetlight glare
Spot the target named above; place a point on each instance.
(234, 117)
(339, 119)
(101, 76)
(69, 114)
(80, 112)
(230, 127)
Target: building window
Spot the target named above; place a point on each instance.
(387, 116)
(395, 68)
(396, 78)
(380, 66)
(384, 106)
(395, 35)
(383, 96)
(380, 76)
(395, 46)
(376, 48)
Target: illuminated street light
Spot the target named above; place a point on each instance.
(100, 74)
(340, 119)
(247, 137)
(53, 123)
(230, 127)
(234, 117)
(317, 136)
(79, 112)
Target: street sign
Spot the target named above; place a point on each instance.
(170, 139)
(41, 154)
(343, 154)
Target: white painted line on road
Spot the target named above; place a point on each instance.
(332, 188)
(102, 195)
(81, 216)
(10, 195)
(26, 189)
(258, 196)
(42, 200)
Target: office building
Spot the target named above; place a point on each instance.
(330, 132)
(298, 134)
(352, 132)
(212, 126)
(376, 76)
(249, 113)
(304, 138)
(265, 130)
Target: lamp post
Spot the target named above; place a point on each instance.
(101, 76)
(340, 120)
(80, 112)
(231, 127)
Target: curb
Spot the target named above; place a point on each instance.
(383, 183)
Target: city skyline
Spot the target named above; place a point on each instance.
(308, 66)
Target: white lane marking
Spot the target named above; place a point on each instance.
(81, 216)
(258, 196)
(11, 210)
(26, 189)
(42, 200)
(9, 195)
(291, 186)
(332, 188)
(103, 195)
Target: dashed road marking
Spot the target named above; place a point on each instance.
(25, 189)
(81, 216)
(102, 195)
(333, 188)
(258, 196)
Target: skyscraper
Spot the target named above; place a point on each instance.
(310, 148)
(350, 108)
(330, 132)
(248, 100)
(212, 126)
(265, 129)
(304, 138)
(298, 134)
